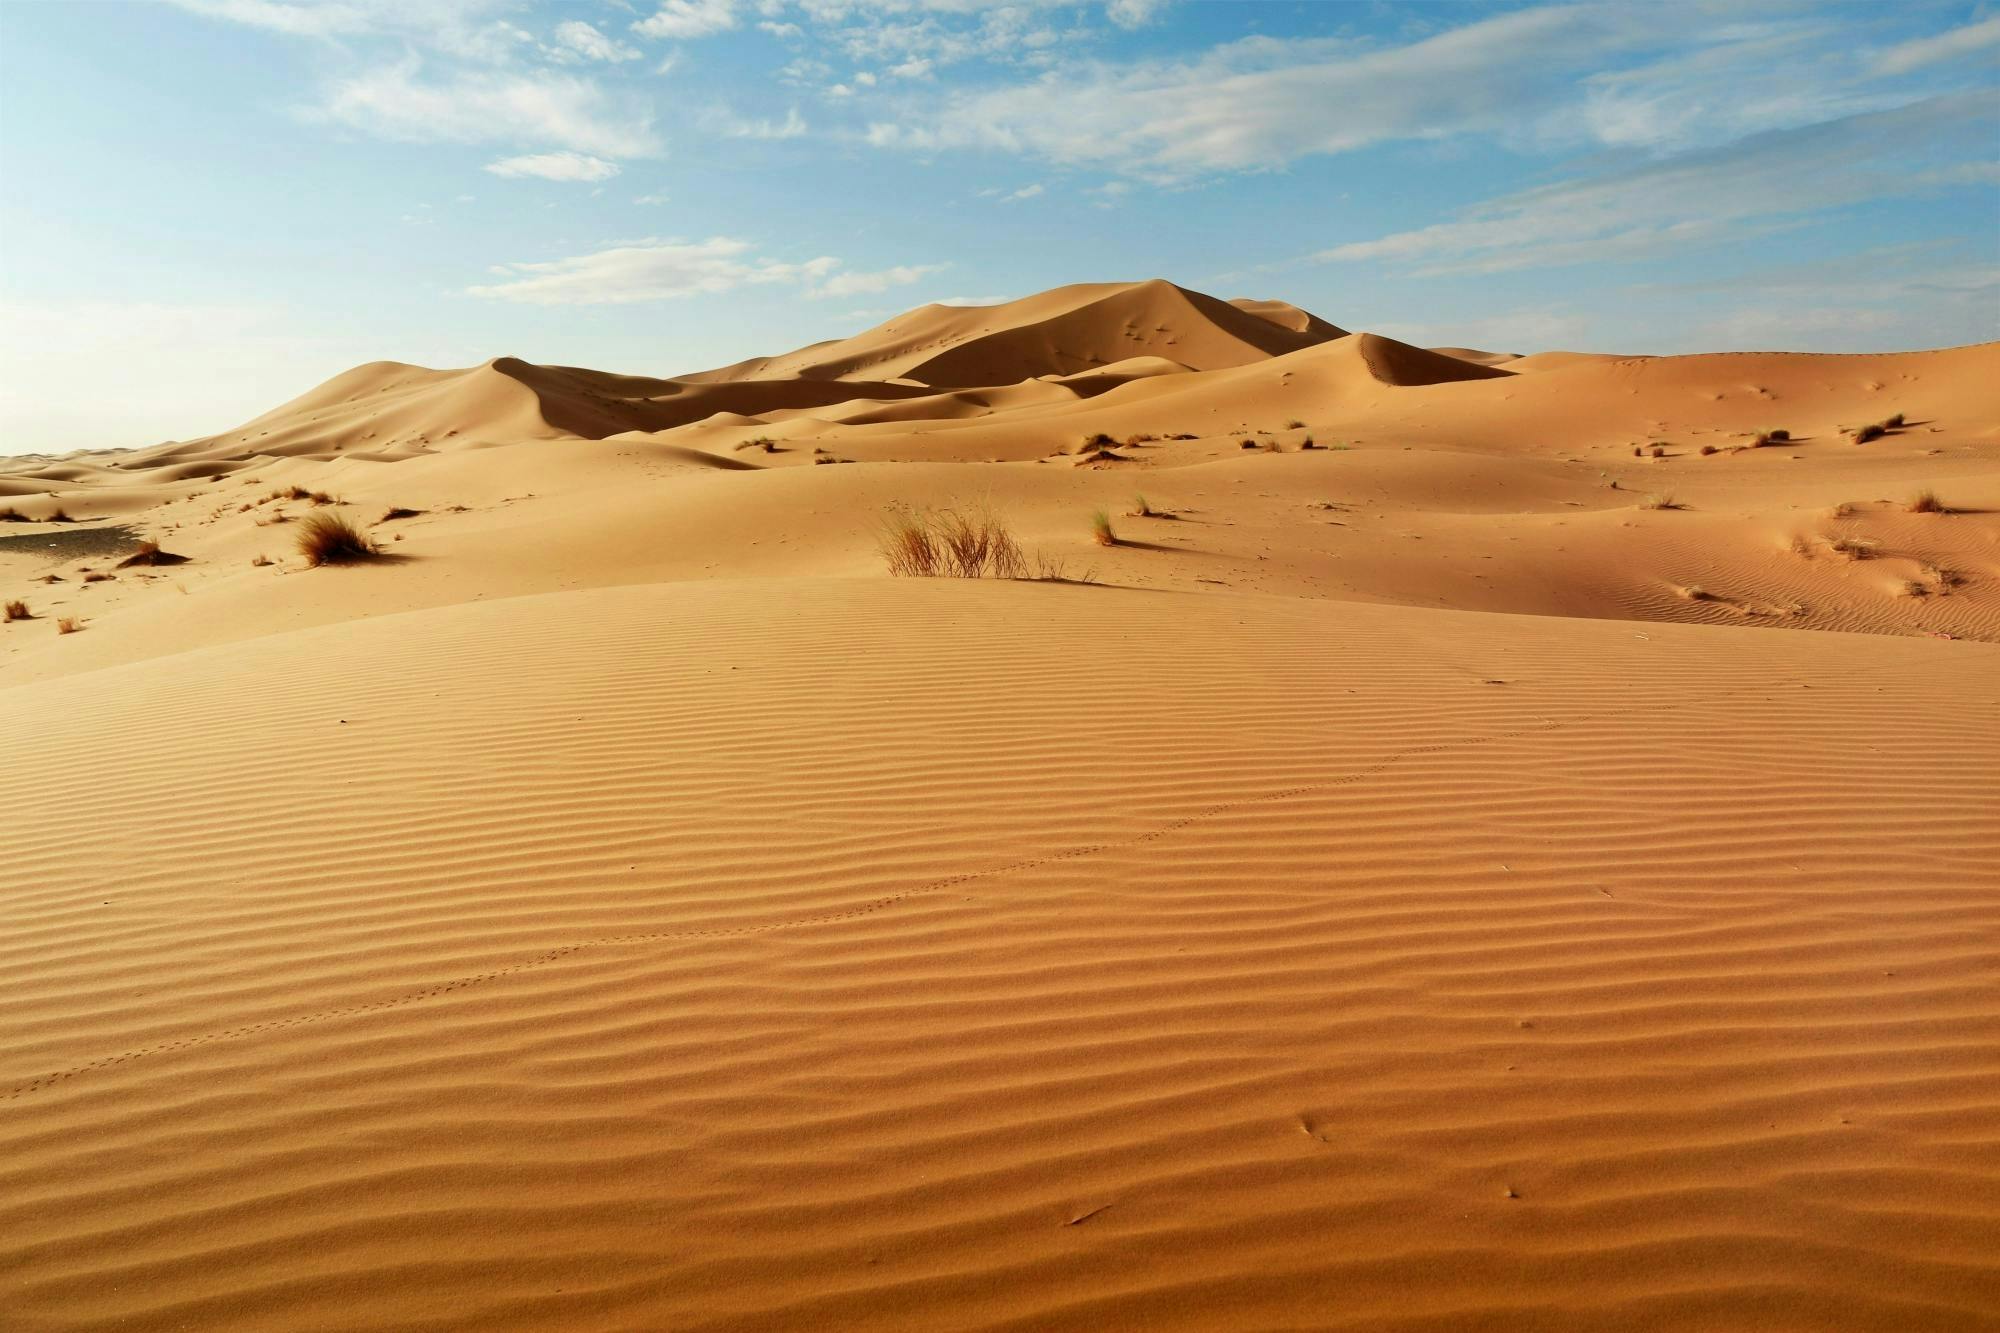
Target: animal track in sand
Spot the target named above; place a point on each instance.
(869, 908)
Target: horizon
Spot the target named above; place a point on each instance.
(226, 202)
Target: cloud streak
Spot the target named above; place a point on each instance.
(1759, 184)
(669, 270)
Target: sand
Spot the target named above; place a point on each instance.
(1411, 884)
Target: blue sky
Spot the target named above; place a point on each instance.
(211, 205)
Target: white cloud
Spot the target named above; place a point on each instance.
(577, 40)
(468, 28)
(555, 167)
(658, 197)
(1945, 46)
(684, 20)
(664, 270)
(782, 30)
(857, 284)
(1760, 184)
(1134, 13)
(1550, 78)
(490, 106)
(1025, 192)
(1260, 102)
(791, 127)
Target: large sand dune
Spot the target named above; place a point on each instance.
(1500, 866)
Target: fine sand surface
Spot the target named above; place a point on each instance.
(1462, 875)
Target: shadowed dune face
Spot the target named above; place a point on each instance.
(1386, 885)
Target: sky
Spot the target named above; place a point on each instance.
(209, 206)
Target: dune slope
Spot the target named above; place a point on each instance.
(822, 953)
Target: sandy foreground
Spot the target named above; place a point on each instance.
(1466, 874)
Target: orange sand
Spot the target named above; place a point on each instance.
(1398, 887)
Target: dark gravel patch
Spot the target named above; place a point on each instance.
(72, 541)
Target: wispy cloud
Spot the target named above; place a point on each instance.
(1757, 184)
(576, 40)
(555, 167)
(857, 284)
(1958, 42)
(733, 127)
(684, 20)
(538, 107)
(666, 270)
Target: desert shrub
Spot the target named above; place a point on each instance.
(1295, 425)
(1140, 439)
(17, 610)
(58, 515)
(260, 560)
(13, 515)
(1660, 501)
(908, 545)
(1246, 444)
(978, 545)
(330, 539)
(1925, 502)
(1100, 529)
(1658, 451)
(1893, 422)
(68, 624)
(1707, 449)
(949, 543)
(1874, 430)
(1779, 435)
(1308, 443)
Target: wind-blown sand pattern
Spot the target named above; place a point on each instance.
(1403, 891)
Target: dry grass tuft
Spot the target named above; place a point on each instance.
(394, 512)
(1100, 529)
(1694, 592)
(908, 545)
(1295, 425)
(949, 543)
(1658, 451)
(1140, 509)
(1874, 430)
(1780, 436)
(95, 576)
(1707, 449)
(1308, 443)
(1851, 548)
(1246, 444)
(16, 610)
(330, 539)
(68, 624)
(1893, 422)
(58, 515)
(1660, 501)
(13, 515)
(1926, 502)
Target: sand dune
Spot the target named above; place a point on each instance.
(590, 961)
(1059, 332)
(1409, 880)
